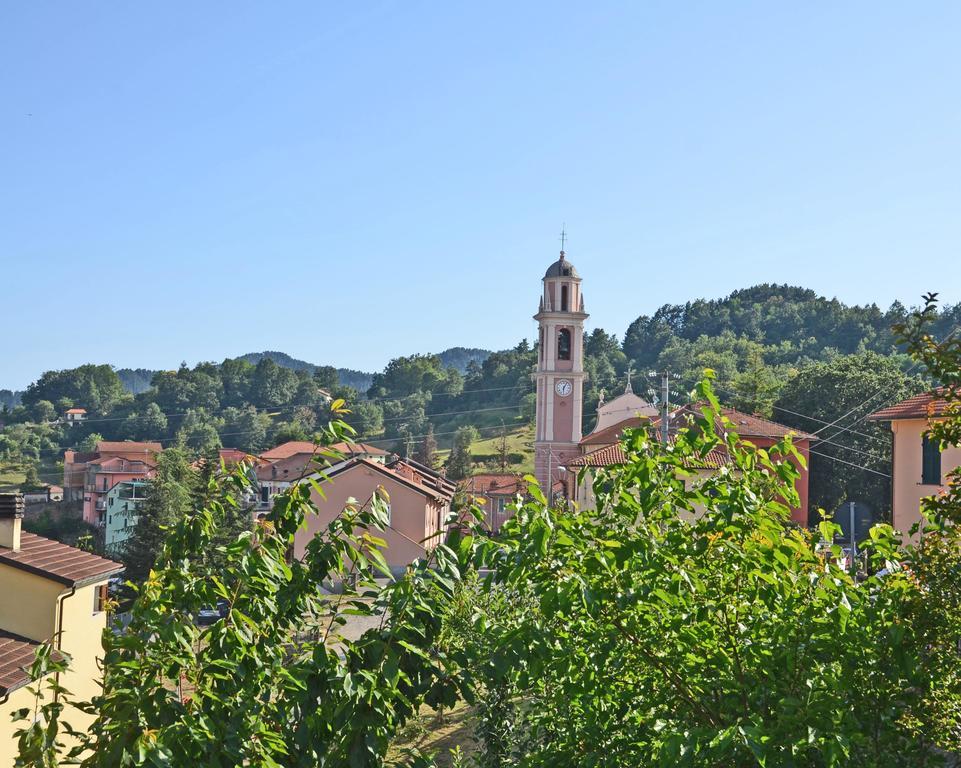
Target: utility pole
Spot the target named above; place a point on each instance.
(854, 544)
(665, 405)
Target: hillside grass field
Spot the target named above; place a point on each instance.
(487, 451)
(11, 476)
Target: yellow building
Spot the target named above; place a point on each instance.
(49, 593)
(918, 467)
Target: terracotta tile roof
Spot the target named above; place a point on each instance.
(290, 468)
(607, 456)
(751, 425)
(612, 434)
(16, 655)
(402, 474)
(924, 406)
(612, 455)
(746, 425)
(439, 478)
(123, 464)
(293, 447)
(127, 446)
(493, 484)
(58, 562)
(76, 410)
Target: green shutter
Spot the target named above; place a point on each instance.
(930, 462)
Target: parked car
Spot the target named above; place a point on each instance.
(207, 616)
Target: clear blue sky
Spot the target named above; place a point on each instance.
(348, 182)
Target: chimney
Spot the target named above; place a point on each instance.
(11, 515)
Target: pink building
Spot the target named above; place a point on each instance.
(419, 501)
(494, 493)
(102, 475)
(559, 376)
(89, 476)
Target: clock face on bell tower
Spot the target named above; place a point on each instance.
(560, 371)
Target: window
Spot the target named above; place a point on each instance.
(564, 344)
(930, 462)
(563, 298)
(100, 596)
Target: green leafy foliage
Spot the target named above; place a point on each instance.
(94, 387)
(460, 461)
(272, 683)
(685, 622)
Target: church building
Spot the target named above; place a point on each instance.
(561, 449)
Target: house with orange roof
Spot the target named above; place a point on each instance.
(280, 467)
(602, 448)
(419, 502)
(919, 466)
(53, 594)
(74, 416)
(76, 485)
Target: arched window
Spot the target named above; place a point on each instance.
(564, 344)
(563, 298)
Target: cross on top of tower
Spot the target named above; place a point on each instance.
(627, 389)
(563, 239)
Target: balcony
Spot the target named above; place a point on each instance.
(101, 505)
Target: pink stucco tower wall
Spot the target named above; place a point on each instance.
(560, 372)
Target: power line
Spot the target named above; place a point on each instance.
(850, 464)
(881, 390)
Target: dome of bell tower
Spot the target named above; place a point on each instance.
(561, 268)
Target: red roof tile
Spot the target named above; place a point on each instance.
(293, 447)
(752, 425)
(120, 464)
(612, 455)
(746, 425)
(16, 655)
(493, 484)
(58, 562)
(428, 486)
(127, 446)
(924, 406)
(612, 434)
(76, 410)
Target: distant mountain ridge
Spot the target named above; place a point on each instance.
(137, 380)
(359, 380)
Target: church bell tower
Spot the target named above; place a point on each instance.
(560, 372)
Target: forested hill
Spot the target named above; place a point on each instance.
(138, 380)
(781, 351)
(790, 322)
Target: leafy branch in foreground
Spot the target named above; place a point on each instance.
(685, 622)
(271, 684)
